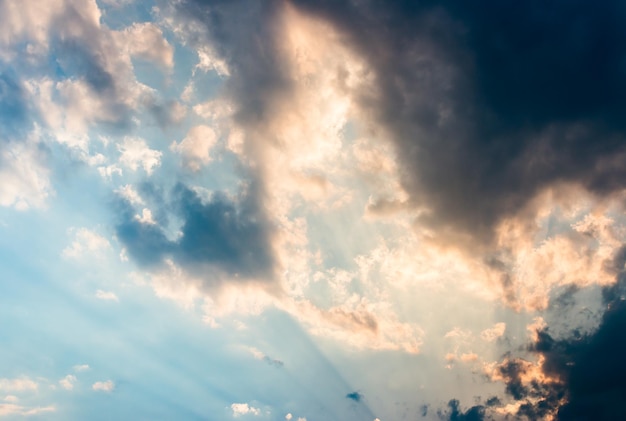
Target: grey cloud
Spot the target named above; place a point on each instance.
(589, 366)
(454, 412)
(234, 237)
(222, 234)
(273, 362)
(489, 103)
(354, 396)
(77, 57)
(244, 34)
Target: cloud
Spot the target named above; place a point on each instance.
(20, 384)
(85, 242)
(493, 333)
(230, 235)
(354, 396)
(104, 386)
(195, 147)
(68, 382)
(136, 154)
(240, 409)
(106, 295)
(129, 193)
(145, 40)
(81, 367)
(269, 360)
(454, 412)
(13, 409)
(573, 374)
(477, 136)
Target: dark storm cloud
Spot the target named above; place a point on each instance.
(354, 396)
(488, 102)
(454, 412)
(232, 236)
(591, 370)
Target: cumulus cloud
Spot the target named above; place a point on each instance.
(68, 382)
(231, 235)
(240, 409)
(20, 384)
(196, 146)
(465, 132)
(145, 40)
(104, 386)
(493, 333)
(129, 193)
(86, 242)
(135, 154)
(473, 162)
(95, 83)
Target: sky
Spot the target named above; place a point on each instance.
(312, 210)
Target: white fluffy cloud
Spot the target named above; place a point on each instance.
(145, 40)
(20, 384)
(196, 146)
(129, 193)
(136, 154)
(68, 382)
(240, 409)
(105, 386)
(86, 242)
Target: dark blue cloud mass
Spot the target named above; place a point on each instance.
(354, 396)
(489, 102)
(218, 235)
(454, 413)
(590, 368)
